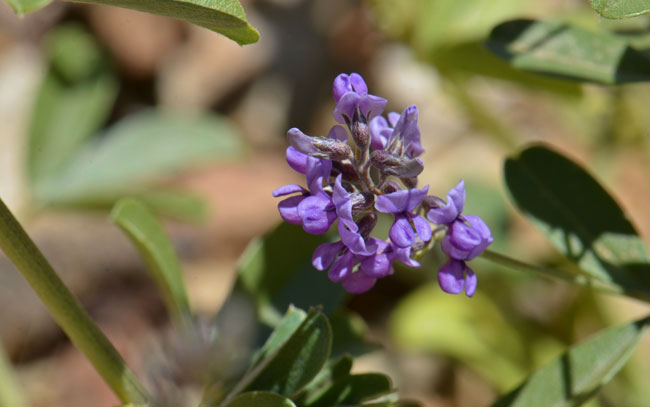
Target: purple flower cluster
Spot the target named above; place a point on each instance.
(377, 172)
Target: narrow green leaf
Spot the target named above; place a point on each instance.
(142, 148)
(276, 270)
(22, 7)
(67, 311)
(226, 17)
(334, 369)
(73, 102)
(580, 218)
(295, 363)
(619, 8)
(563, 50)
(10, 391)
(576, 376)
(282, 333)
(259, 399)
(156, 249)
(353, 389)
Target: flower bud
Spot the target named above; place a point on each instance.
(331, 149)
(367, 224)
(361, 134)
(362, 201)
(395, 165)
(348, 170)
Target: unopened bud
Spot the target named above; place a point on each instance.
(361, 134)
(367, 224)
(391, 187)
(348, 170)
(362, 201)
(331, 149)
(396, 165)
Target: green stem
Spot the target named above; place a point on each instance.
(67, 311)
(582, 280)
(10, 392)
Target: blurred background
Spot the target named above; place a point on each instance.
(98, 103)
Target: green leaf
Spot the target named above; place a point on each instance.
(580, 219)
(10, 391)
(559, 49)
(282, 333)
(276, 270)
(226, 17)
(22, 7)
(73, 102)
(259, 399)
(156, 249)
(353, 389)
(141, 148)
(295, 363)
(620, 9)
(577, 375)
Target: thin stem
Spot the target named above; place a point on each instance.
(582, 279)
(10, 392)
(67, 311)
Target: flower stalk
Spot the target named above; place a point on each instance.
(67, 311)
(579, 279)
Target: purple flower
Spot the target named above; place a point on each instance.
(455, 275)
(381, 129)
(445, 215)
(403, 133)
(313, 208)
(400, 203)
(466, 238)
(467, 235)
(341, 262)
(351, 93)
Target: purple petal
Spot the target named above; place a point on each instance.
(422, 227)
(379, 264)
(288, 209)
(318, 171)
(450, 277)
(355, 242)
(483, 231)
(300, 141)
(470, 281)
(317, 214)
(289, 189)
(357, 283)
(338, 133)
(457, 196)
(452, 209)
(401, 201)
(297, 160)
(379, 132)
(465, 241)
(393, 117)
(342, 266)
(401, 233)
(325, 254)
(404, 255)
(343, 204)
(345, 107)
(358, 84)
(372, 105)
(341, 86)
